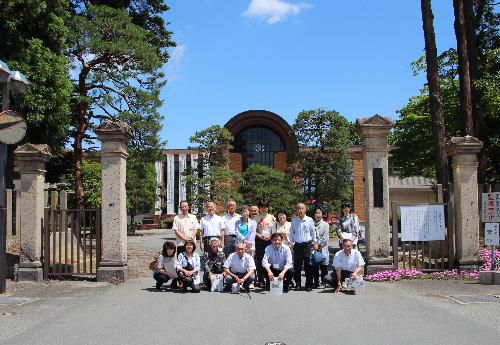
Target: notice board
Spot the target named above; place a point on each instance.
(423, 223)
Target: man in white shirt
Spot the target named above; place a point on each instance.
(185, 226)
(278, 262)
(302, 237)
(211, 225)
(230, 219)
(347, 263)
(239, 268)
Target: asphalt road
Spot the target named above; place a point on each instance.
(412, 312)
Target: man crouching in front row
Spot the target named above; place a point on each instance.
(278, 262)
(239, 268)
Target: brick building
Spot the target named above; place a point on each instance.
(260, 136)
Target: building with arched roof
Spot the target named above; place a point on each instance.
(264, 137)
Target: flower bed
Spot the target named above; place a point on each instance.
(412, 273)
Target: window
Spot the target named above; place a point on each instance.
(258, 145)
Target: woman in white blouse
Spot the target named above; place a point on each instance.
(188, 267)
(283, 226)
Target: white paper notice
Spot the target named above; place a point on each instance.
(491, 234)
(422, 223)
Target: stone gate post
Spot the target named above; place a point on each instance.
(30, 159)
(114, 137)
(463, 151)
(374, 132)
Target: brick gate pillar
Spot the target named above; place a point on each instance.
(463, 151)
(114, 137)
(374, 132)
(30, 159)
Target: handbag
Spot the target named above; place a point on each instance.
(154, 264)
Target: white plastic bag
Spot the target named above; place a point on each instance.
(217, 282)
(353, 284)
(276, 286)
(235, 288)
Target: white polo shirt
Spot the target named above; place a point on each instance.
(348, 263)
(229, 223)
(211, 225)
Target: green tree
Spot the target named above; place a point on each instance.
(141, 187)
(212, 180)
(118, 50)
(324, 160)
(262, 182)
(33, 40)
(411, 133)
(92, 180)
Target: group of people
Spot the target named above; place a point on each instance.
(254, 248)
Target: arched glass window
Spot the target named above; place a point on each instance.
(258, 145)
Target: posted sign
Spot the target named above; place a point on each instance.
(491, 207)
(491, 234)
(422, 223)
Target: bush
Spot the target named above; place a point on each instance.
(167, 223)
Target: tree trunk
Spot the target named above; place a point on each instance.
(471, 23)
(467, 122)
(436, 104)
(82, 124)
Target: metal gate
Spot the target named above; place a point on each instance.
(71, 242)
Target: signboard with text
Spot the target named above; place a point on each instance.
(423, 223)
(491, 234)
(491, 207)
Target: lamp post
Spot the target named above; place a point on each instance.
(16, 82)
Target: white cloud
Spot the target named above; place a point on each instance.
(177, 57)
(273, 11)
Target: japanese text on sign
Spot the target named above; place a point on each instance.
(491, 234)
(422, 223)
(491, 207)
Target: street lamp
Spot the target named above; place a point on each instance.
(12, 129)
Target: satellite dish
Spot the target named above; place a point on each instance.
(12, 127)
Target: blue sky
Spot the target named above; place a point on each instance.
(287, 56)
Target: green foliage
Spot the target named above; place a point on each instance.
(141, 186)
(33, 39)
(413, 132)
(324, 159)
(212, 180)
(92, 179)
(262, 182)
(118, 49)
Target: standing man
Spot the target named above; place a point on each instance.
(254, 210)
(278, 262)
(302, 236)
(230, 219)
(185, 226)
(239, 268)
(212, 225)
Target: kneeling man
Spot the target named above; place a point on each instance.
(239, 268)
(278, 262)
(214, 262)
(347, 263)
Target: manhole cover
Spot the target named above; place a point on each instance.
(14, 300)
(274, 343)
(466, 299)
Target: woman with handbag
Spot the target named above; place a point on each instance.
(188, 267)
(165, 266)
